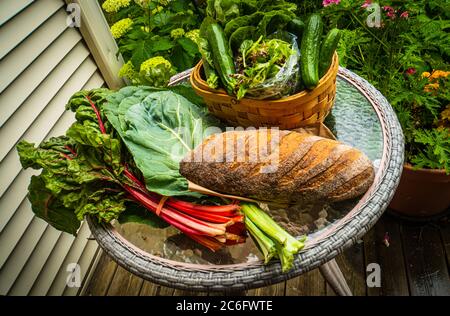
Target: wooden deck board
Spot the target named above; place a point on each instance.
(278, 289)
(309, 284)
(394, 280)
(426, 263)
(445, 235)
(148, 289)
(125, 284)
(102, 277)
(351, 262)
(415, 263)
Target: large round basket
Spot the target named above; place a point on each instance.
(304, 108)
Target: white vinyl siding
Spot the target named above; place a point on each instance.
(42, 63)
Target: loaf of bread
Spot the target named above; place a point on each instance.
(279, 166)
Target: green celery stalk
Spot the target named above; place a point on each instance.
(257, 216)
(291, 243)
(269, 235)
(265, 244)
(286, 257)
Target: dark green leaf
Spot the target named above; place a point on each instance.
(159, 129)
(141, 53)
(46, 206)
(137, 214)
(189, 46)
(181, 59)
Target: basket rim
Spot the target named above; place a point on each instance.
(332, 241)
(330, 74)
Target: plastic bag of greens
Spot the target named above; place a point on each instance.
(268, 68)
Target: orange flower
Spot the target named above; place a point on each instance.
(431, 87)
(440, 74)
(436, 74)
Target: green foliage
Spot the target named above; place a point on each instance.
(435, 153)
(150, 34)
(411, 39)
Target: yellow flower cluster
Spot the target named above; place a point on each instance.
(142, 3)
(113, 6)
(121, 27)
(128, 71)
(437, 74)
(193, 35)
(148, 65)
(177, 33)
(157, 9)
(156, 71)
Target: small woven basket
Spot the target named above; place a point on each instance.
(304, 108)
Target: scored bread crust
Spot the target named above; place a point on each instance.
(304, 167)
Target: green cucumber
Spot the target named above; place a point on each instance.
(296, 27)
(327, 50)
(222, 57)
(310, 47)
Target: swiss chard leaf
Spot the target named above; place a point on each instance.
(246, 20)
(46, 206)
(82, 174)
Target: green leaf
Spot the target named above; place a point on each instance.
(137, 214)
(241, 35)
(142, 52)
(161, 44)
(247, 20)
(103, 206)
(46, 206)
(179, 5)
(181, 59)
(189, 46)
(159, 129)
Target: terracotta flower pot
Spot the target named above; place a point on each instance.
(422, 192)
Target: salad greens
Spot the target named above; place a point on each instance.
(259, 62)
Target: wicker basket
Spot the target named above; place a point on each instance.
(301, 109)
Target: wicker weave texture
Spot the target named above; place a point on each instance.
(318, 251)
(304, 108)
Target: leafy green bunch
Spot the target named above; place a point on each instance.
(83, 171)
(232, 23)
(259, 61)
(410, 38)
(145, 29)
(250, 19)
